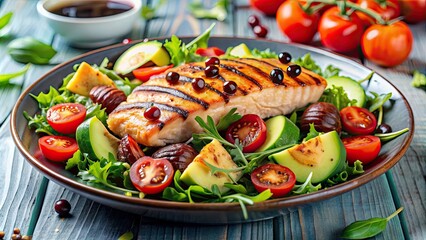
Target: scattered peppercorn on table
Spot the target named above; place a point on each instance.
(27, 199)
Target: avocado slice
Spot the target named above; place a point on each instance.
(140, 54)
(241, 51)
(323, 155)
(280, 131)
(198, 173)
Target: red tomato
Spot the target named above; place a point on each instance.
(414, 11)
(144, 73)
(340, 34)
(357, 120)
(364, 148)
(65, 117)
(279, 179)
(388, 9)
(387, 45)
(151, 176)
(250, 131)
(268, 7)
(210, 52)
(295, 23)
(57, 148)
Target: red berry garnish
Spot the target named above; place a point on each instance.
(276, 75)
(260, 31)
(198, 84)
(230, 87)
(294, 70)
(127, 40)
(172, 77)
(211, 71)
(212, 61)
(152, 113)
(62, 207)
(284, 57)
(253, 21)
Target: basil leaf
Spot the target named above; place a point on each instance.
(5, 19)
(228, 119)
(149, 12)
(367, 228)
(218, 12)
(172, 194)
(4, 78)
(30, 50)
(378, 100)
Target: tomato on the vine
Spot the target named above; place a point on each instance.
(387, 45)
(210, 52)
(364, 148)
(57, 148)
(414, 11)
(144, 73)
(340, 33)
(250, 131)
(387, 9)
(298, 25)
(65, 117)
(151, 176)
(279, 179)
(268, 7)
(357, 120)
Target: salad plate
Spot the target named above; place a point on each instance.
(397, 113)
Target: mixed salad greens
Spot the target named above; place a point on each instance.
(275, 163)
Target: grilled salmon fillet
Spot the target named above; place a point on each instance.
(180, 103)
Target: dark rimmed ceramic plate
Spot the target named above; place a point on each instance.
(398, 114)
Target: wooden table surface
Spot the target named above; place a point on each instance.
(404, 185)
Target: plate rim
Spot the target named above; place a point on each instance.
(323, 194)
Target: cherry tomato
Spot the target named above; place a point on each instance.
(65, 117)
(210, 52)
(268, 7)
(387, 45)
(414, 11)
(57, 148)
(144, 73)
(338, 33)
(250, 131)
(357, 120)
(279, 179)
(295, 23)
(388, 9)
(364, 148)
(151, 176)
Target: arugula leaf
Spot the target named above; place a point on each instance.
(306, 187)
(376, 101)
(39, 123)
(97, 110)
(5, 19)
(419, 80)
(5, 78)
(337, 96)
(74, 160)
(267, 53)
(228, 119)
(218, 12)
(330, 71)
(312, 133)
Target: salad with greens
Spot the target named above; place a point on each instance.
(242, 159)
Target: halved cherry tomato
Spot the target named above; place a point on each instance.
(357, 120)
(388, 9)
(387, 45)
(250, 131)
(210, 52)
(279, 179)
(151, 176)
(57, 148)
(364, 148)
(65, 117)
(144, 73)
(295, 23)
(339, 33)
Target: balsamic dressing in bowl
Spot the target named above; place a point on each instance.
(91, 9)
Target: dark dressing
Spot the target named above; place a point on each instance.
(91, 9)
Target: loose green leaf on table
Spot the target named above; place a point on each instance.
(149, 12)
(5, 19)
(218, 12)
(30, 50)
(367, 228)
(419, 80)
(4, 78)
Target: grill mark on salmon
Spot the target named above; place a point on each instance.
(220, 77)
(171, 91)
(254, 68)
(144, 105)
(317, 80)
(297, 80)
(241, 74)
(208, 86)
